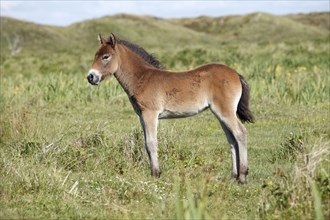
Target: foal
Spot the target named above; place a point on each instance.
(158, 94)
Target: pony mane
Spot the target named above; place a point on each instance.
(149, 58)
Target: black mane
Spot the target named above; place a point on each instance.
(149, 58)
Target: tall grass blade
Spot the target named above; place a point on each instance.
(317, 202)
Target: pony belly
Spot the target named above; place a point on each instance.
(168, 114)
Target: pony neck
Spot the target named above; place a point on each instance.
(132, 69)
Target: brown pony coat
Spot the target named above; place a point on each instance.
(156, 94)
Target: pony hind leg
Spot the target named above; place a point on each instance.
(237, 138)
(233, 148)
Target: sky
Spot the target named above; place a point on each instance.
(63, 13)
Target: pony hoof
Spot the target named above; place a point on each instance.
(155, 173)
(242, 179)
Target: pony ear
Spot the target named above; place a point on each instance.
(101, 39)
(112, 40)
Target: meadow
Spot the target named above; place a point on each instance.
(71, 150)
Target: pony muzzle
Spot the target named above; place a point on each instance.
(94, 77)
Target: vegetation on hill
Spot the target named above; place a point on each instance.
(321, 20)
(258, 27)
(69, 150)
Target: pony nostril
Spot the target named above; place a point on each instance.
(90, 77)
(93, 78)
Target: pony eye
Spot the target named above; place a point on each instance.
(105, 57)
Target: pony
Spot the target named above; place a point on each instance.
(156, 93)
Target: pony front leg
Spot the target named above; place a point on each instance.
(149, 121)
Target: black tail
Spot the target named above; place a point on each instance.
(243, 111)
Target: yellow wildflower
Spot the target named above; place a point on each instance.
(315, 69)
(278, 71)
(302, 69)
(269, 69)
(288, 75)
(16, 89)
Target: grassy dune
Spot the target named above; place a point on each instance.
(69, 150)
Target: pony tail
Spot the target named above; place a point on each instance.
(243, 111)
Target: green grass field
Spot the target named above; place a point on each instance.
(70, 150)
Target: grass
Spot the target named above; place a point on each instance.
(69, 150)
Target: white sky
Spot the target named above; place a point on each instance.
(67, 12)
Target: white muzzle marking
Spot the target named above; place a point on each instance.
(94, 77)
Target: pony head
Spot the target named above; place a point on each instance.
(106, 60)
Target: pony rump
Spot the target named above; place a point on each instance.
(243, 111)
